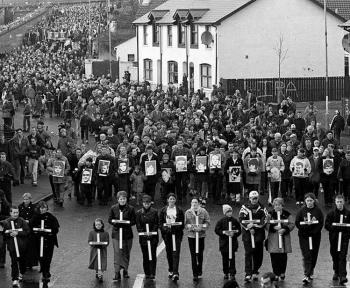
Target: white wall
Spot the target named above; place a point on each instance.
(202, 55)
(125, 48)
(127, 66)
(254, 32)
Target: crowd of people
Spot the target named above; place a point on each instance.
(133, 142)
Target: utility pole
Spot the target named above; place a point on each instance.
(326, 55)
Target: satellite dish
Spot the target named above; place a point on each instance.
(346, 42)
(207, 38)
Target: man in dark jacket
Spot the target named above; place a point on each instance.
(344, 175)
(339, 246)
(19, 145)
(7, 173)
(148, 216)
(337, 125)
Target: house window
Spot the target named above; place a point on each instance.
(170, 35)
(131, 57)
(147, 63)
(206, 76)
(172, 72)
(346, 65)
(181, 35)
(145, 35)
(194, 36)
(155, 32)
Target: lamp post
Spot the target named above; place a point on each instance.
(326, 55)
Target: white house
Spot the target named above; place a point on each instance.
(213, 39)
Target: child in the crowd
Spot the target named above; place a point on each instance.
(137, 180)
(222, 229)
(98, 228)
(167, 181)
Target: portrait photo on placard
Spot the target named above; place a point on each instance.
(103, 167)
(181, 163)
(253, 165)
(151, 168)
(58, 168)
(234, 174)
(328, 166)
(123, 166)
(86, 176)
(166, 174)
(299, 169)
(201, 163)
(214, 161)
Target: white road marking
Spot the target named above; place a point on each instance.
(140, 277)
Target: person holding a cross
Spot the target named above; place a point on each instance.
(309, 221)
(45, 227)
(147, 222)
(16, 231)
(338, 224)
(197, 222)
(228, 229)
(171, 224)
(122, 217)
(252, 217)
(279, 225)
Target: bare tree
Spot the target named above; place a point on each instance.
(281, 52)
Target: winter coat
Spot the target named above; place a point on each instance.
(137, 181)
(128, 214)
(26, 212)
(273, 235)
(93, 263)
(177, 230)
(334, 217)
(309, 230)
(19, 148)
(50, 222)
(223, 225)
(314, 176)
(190, 219)
(22, 237)
(150, 217)
(344, 170)
(275, 163)
(259, 212)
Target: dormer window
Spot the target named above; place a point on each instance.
(194, 35)
(181, 35)
(155, 32)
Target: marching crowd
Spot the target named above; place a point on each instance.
(134, 140)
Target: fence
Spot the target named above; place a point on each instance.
(300, 89)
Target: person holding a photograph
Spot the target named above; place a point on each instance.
(58, 167)
(216, 165)
(234, 170)
(104, 170)
(328, 166)
(86, 182)
(201, 175)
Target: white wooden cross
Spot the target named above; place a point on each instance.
(229, 235)
(173, 237)
(340, 224)
(98, 243)
(197, 232)
(279, 221)
(120, 221)
(309, 222)
(148, 233)
(42, 229)
(15, 237)
(251, 221)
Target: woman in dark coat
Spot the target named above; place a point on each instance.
(168, 215)
(222, 230)
(27, 210)
(50, 239)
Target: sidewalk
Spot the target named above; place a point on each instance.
(41, 192)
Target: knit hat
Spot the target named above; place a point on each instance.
(146, 198)
(226, 208)
(253, 194)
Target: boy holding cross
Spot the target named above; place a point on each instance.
(228, 229)
(16, 232)
(309, 221)
(252, 217)
(147, 222)
(45, 227)
(338, 224)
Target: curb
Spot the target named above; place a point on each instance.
(44, 198)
